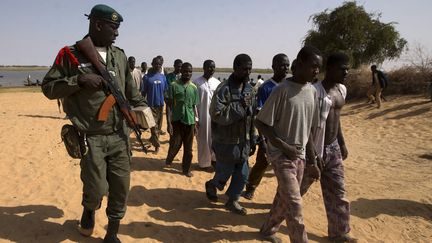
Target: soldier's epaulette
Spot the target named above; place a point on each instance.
(66, 52)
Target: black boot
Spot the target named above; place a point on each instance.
(87, 222)
(111, 235)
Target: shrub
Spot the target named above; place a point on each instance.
(402, 81)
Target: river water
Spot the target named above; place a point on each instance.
(19, 78)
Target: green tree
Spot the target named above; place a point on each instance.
(361, 35)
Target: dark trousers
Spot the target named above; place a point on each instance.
(182, 134)
(258, 170)
(105, 170)
(238, 173)
(155, 131)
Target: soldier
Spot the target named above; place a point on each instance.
(105, 168)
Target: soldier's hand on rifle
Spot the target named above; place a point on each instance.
(90, 81)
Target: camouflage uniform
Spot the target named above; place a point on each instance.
(105, 169)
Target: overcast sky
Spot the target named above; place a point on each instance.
(193, 30)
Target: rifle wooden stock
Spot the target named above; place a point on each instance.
(106, 106)
(112, 89)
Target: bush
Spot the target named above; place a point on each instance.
(402, 81)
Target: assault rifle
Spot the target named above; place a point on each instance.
(114, 94)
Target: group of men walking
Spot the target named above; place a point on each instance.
(295, 123)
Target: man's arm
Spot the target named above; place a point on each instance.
(310, 151)
(61, 81)
(223, 111)
(341, 141)
(169, 105)
(313, 162)
(269, 133)
(253, 133)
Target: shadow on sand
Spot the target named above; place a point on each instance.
(30, 223)
(47, 117)
(368, 208)
(178, 199)
(153, 164)
(426, 156)
(411, 113)
(396, 108)
(192, 208)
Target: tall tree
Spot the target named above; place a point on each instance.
(361, 35)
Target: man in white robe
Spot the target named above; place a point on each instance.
(206, 85)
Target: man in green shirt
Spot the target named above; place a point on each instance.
(182, 100)
(105, 166)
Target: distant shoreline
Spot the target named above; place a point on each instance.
(23, 68)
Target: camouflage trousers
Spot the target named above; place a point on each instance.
(287, 204)
(333, 190)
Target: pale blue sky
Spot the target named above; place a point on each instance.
(193, 30)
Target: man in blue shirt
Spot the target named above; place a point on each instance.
(154, 86)
(280, 66)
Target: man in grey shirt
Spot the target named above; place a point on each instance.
(286, 120)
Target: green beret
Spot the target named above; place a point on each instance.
(104, 12)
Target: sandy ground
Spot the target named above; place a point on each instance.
(389, 182)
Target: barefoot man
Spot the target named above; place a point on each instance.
(330, 145)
